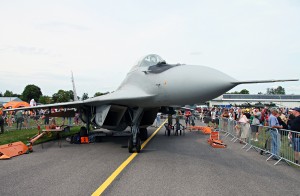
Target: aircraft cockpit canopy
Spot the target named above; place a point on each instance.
(150, 60)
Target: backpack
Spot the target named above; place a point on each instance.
(75, 139)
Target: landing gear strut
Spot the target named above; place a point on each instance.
(134, 140)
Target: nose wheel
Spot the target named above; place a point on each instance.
(132, 146)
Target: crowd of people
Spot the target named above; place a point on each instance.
(25, 119)
(248, 123)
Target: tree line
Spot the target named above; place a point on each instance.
(32, 91)
(270, 91)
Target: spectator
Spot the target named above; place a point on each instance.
(19, 118)
(46, 117)
(213, 116)
(225, 113)
(9, 119)
(282, 116)
(255, 126)
(187, 118)
(291, 117)
(224, 117)
(232, 114)
(274, 124)
(26, 118)
(258, 114)
(282, 120)
(245, 127)
(231, 122)
(32, 103)
(295, 126)
(157, 123)
(76, 118)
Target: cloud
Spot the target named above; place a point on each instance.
(56, 26)
(195, 53)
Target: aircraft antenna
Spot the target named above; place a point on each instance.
(74, 89)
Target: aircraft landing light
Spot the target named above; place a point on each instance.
(113, 176)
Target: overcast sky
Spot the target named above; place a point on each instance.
(42, 41)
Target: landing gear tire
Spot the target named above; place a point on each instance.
(138, 145)
(143, 134)
(130, 145)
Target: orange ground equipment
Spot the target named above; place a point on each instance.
(18, 148)
(84, 140)
(13, 149)
(214, 140)
(203, 129)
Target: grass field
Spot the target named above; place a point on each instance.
(24, 135)
(12, 135)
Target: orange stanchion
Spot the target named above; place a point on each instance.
(214, 140)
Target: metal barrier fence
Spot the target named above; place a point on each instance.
(277, 144)
(31, 123)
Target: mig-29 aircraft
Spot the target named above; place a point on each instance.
(152, 85)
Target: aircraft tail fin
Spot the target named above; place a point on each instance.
(262, 81)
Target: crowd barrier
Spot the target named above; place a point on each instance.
(277, 144)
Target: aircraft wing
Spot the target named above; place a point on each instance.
(262, 81)
(128, 97)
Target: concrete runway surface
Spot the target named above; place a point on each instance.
(174, 165)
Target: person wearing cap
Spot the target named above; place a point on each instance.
(295, 126)
(274, 126)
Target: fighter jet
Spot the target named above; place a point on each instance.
(152, 85)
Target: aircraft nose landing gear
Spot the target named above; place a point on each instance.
(137, 144)
(135, 140)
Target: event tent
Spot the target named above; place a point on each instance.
(16, 104)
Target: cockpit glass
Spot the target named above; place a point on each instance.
(150, 60)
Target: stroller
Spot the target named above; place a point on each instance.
(169, 128)
(179, 129)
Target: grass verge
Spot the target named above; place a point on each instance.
(24, 135)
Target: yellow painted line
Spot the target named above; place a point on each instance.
(112, 177)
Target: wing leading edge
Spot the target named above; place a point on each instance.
(128, 97)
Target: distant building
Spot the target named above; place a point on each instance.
(288, 101)
(4, 100)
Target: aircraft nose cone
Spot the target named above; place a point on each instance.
(195, 84)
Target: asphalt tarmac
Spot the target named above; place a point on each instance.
(174, 165)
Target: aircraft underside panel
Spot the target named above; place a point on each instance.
(101, 113)
(148, 118)
(114, 116)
